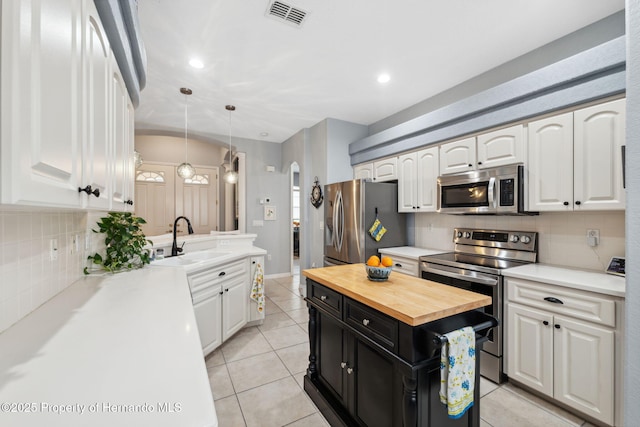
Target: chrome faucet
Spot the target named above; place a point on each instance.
(175, 249)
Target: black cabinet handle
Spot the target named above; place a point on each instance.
(222, 273)
(89, 190)
(545, 323)
(129, 202)
(470, 165)
(479, 163)
(578, 202)
(566, 203)
(398, 265)
(557, 326)
(553, 300)
(226, 290)
(221, 293)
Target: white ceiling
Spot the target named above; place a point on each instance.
(283, 79)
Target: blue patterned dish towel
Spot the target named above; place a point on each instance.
(458, 371)
(257, 287)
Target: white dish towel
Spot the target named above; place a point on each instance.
(257, 287)
(458, 371)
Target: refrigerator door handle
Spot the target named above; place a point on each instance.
(339, 221)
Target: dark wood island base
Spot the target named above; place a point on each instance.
(367, 368)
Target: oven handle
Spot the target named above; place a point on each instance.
(491, 281)
(492, 191)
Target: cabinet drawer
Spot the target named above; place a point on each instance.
(217, 274)
(406, 265)
(569, 302)
(324, 297)
(377, 326)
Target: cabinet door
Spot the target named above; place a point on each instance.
(584, 367)
(207, 308)
(407, 182)
(97, 115)
(371, 381)
(599, 137)
(501, 147)
(427, 180)
(385, 169)
(234, 305)
(550, 166)
(41, 86)
(363, 171)
(332, 358)
(120, 151)
(530, 347)
(458, 156)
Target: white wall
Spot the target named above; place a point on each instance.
(561, 236)
(28, 277)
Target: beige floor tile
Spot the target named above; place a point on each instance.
(285, 337)
(256, 371)
(214, 359)
(483, 423)
(295, 358)
(275, 404)
(501, 408)
(487, 386)
(220, 382)
(305, 327)
(299, 377)
(246, 343)
(315, 420)
(275, 321)
(270, 307)
(229, 413)
(288, 304)
(570, 418)
(276, 290)
(300, 315)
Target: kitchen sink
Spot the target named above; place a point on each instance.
(190, 258)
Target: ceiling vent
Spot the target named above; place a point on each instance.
(286, 13)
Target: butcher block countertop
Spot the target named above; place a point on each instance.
(409, 299)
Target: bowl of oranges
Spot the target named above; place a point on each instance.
(378, 270)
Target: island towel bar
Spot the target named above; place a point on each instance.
(484, 327)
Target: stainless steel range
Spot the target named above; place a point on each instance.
(476, 264)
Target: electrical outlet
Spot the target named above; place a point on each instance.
(593, 237)
(53, 249)
(268, 257)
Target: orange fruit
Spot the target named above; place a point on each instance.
(387, 261)
(373, 261)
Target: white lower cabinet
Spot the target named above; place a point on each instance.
(220, 298)
(562, 343)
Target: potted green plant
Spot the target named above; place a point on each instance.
(124, 241)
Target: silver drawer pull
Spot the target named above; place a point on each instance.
(349, 371)
(323, 297)
(365, 322)
(343, 365)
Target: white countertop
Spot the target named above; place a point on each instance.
(412, 252)
(122, 348)
(592, 281)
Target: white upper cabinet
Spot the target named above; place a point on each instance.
(498, 148)
(501, 147)
(599, 134)
(417, 181)
(458, 156)
(58, 132)
(575, 160)
(378, 171)
(41, 102)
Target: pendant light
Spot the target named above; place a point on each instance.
(185, 170)
(231, 176)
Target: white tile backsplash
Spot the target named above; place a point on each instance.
(28, 276)
(561, 235)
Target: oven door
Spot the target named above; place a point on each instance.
(482, 283)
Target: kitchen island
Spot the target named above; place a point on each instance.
(375, 346)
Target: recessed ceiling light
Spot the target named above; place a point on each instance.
(196, 63)
(263, 134)
(384, 78)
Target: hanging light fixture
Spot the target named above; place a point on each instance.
(185, 170)
(231, 176)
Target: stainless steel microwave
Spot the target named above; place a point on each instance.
(497, 191)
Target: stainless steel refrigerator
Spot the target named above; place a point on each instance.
(351, 208)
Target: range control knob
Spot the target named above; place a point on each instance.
(459, 234)
(514, 238)
(467, 235)
(525, 239)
